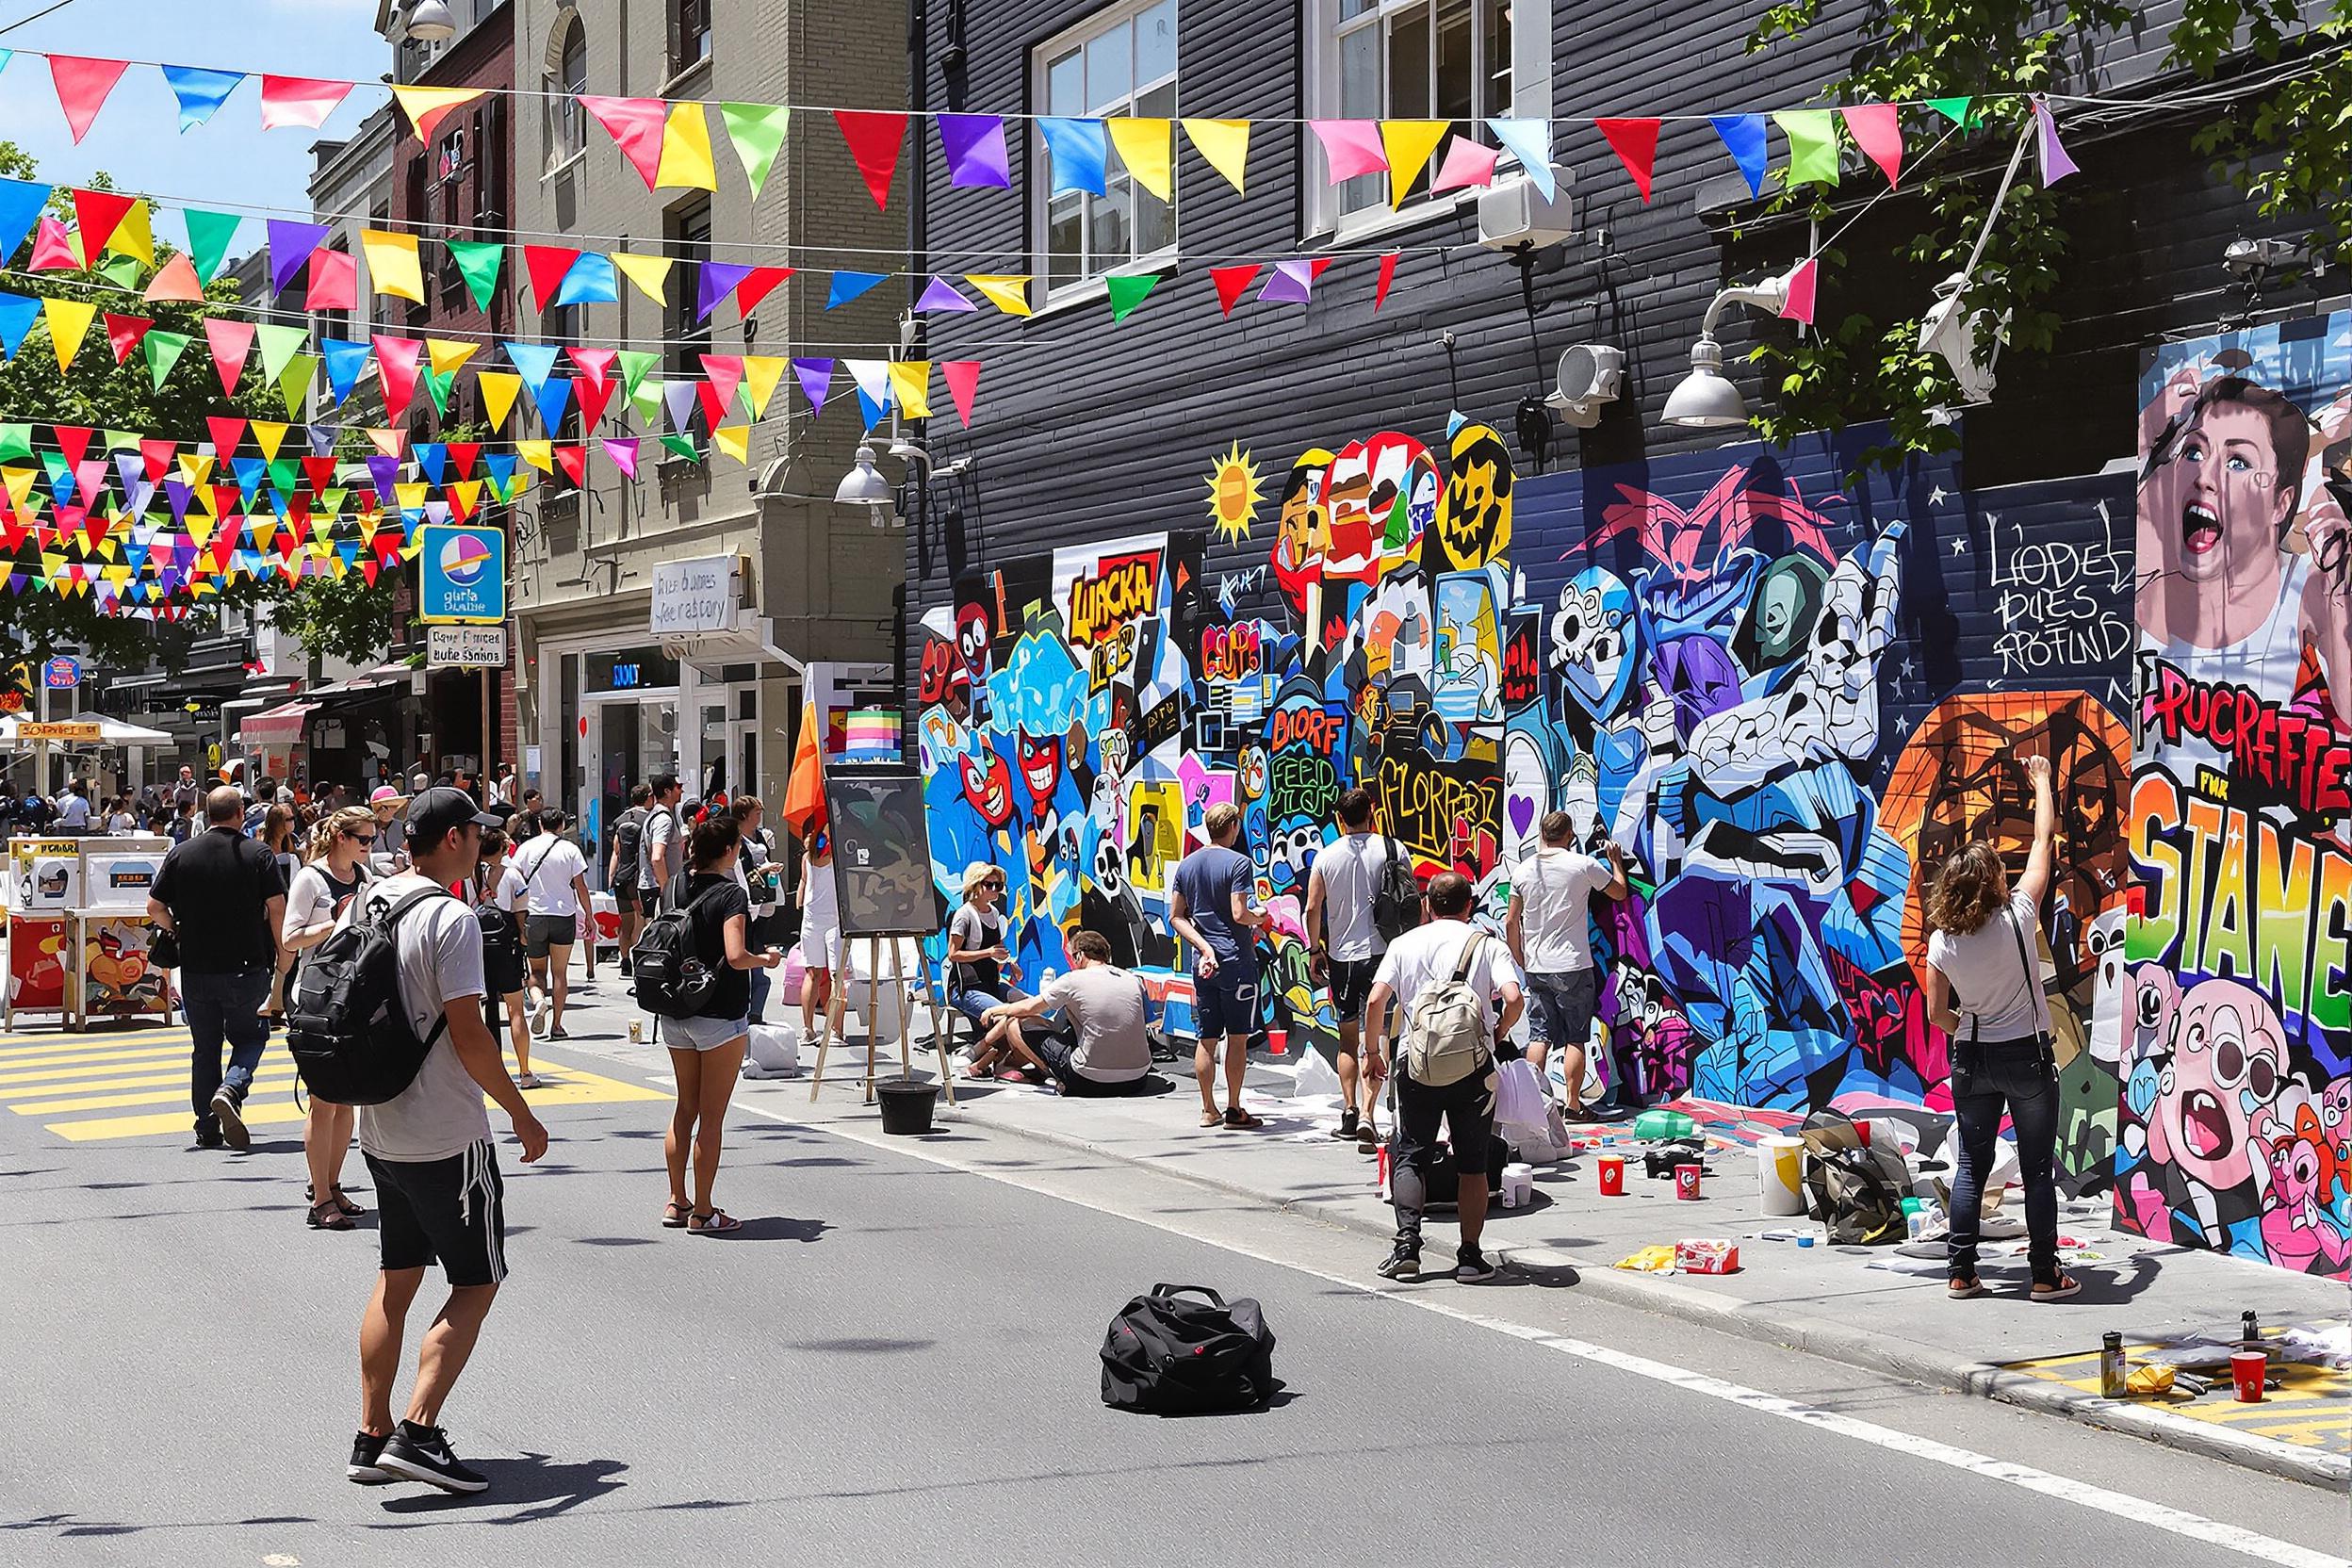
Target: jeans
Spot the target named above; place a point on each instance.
(759, 996)
(220, 1005)
(1986, 1079)
(1466, 1106)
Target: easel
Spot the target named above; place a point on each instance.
(835, 1005)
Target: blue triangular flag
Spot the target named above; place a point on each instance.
(680, 398)
(553, 395)
(200, 93)
(1743, 138)
(848, 285)
(433, 459)
(290, 245)
(17, 313)
(1531, 140)
(21, 202)
(345, 363)
(872, 408)
(1080, 152)
(250, 473)
(532, 362)
(502, 470)
(590, 281)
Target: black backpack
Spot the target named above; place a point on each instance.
(672, 979)
(1396, 895)
(345, 1025)
(1168, 1354)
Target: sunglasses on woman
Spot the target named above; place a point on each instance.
(361, 837)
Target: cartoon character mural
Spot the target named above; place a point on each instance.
(2240, 1016)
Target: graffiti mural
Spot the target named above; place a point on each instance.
(2235, 1128)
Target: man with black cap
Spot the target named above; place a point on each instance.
(438, 1194)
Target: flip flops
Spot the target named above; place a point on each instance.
(674, 1217)
(2065, 1285)
(718, 1222)
(1235, 1117)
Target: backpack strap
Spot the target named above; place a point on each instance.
(391, 920)
(1469, 955)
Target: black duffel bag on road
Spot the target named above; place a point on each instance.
(1182, 1349)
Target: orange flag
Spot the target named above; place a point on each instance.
(803, 793)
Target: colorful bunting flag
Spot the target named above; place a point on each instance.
(304, 101)
(911, 385)
(1127, 290)
(1531, 142)
(1225, 145)
(333, 281)
(124, 333)
(875, 137)
(279, 345)
(1079, 153)
(589, 282)
(162, 351)
(651, 274)
(200, 93)
(1877, 129)
(392, 265)
(758, 132)
(1798, 306)
(290, 244)
(1148, 147)
(1350, 147)
(638, 125)
(1960, 111)
(816, 382)
(82, 87)
(734, 440)
(1293, 280)
(231, 341)
(479, 262)
(716, 280)
(498, 389)
(1812, 145)
(174, 283)
(1743, 136)
(1388, 276)
(209, 237)
(2056, 164)
(68, 323)
(963, 385)
(546, 266)
(973, 145)
(1634, 143)
(940, 294)
(1232, 281)
(96, 213)
(427, 107)
(686, 163)
(1407, 145)
(397, 360)
(21, 202)
(849, 286)
(1466, 163)
(1010, 294)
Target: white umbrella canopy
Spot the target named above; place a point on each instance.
(111, 732)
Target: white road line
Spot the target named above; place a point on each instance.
(2138, 1510)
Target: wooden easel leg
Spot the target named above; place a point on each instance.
(906, 1017)
(873, 989)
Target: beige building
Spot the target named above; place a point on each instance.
(754, 575)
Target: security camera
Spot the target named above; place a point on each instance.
(2248, 259)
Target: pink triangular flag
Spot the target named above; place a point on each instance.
(231, 342)
(333, 281)
(623, 451)
(175, 282)
(82, 87)
(1634, 143)
(963, 385)
(1350, 147)
(54, 250)
(1877, 129)
(596, 365)
(1466, 163)
(299, 100)
(727, 373)
(396, 365)
(1388, 275)
(2056, 165)
(637, 124)
(1799, 304)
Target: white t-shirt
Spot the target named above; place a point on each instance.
(511, 893)
(441, 1113)
(1429, 954)
(72, 811)
(549, 865)
(1554, 887)
(1991, 988)
(1350, 867)
(312, 899)
(660, 828)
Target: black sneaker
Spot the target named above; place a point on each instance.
(210, 1139)
(227, 1109)
(1471, 1266)
(366, 1449)
(1403, 1262)
(422, 1454)
(625, 970)
(1347, 1128)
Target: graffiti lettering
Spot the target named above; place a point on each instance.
(2288, 757)
(1300, 784)
(1422, 807)
(1231, 652)
(1126, 587)
(1314, 728)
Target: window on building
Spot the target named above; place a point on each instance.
(686, 240)
(1460, 60)
(1119, 61)
(690, 34)
(567, 122)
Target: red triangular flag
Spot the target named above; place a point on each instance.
(82, 87)
(97, 213)
(594, 397)
(596, 365)
(226, 434)
(396, 367)
(457, 503)
(1635, 141)
(757, 285)
(125, 332)
(298, 507)
(1388, 275)
(548, 263)
(713, 402)
(1802, 287)
(74, 441)
(231, 342)
(157, 455)
(1878, 131)
(321, 472)
(1316, 266)
(368, 569)
(463, 455)
(874, 138)
(1229, 283)
(574, 461)
(963, 384)
(637, 124)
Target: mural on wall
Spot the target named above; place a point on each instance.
(2236, 1122)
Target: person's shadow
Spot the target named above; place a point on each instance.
(533, 1487)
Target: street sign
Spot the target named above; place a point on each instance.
(61, 674)
(466, 648)
(77, 730)
(462, 570)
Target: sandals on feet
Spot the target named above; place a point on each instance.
(2065, 1285)
(718, 1222)
(1212, 1119)
(1960, 1290)
(674, 1217)
(1235, 1117)
(324, 1216)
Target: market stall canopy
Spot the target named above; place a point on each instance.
(281, 726)
(109, 732)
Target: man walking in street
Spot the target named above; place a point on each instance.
(556, 874)
(185, 795)
(1434, 964)
(1549, 929)
(620, 870)
(660, 843)
(1347, 945)
(222, 896)
(1212, 908)
(439, 1193)
(74, 807)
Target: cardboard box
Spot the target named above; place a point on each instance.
(1706, 1257)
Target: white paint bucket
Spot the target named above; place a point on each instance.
(1518, 1185)
(1780, 1175)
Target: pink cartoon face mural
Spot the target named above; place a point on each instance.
(2298, 1226)
(2225, 1066)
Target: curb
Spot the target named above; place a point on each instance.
(1831, 1341)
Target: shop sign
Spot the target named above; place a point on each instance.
(60, 731)
(61, 674)
(463, 574)
(693, 596)
(466, 648)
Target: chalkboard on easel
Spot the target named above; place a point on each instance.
(881, 853)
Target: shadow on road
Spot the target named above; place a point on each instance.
(533, 1487)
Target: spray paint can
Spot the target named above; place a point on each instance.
(2250, 1331)
(2111, 1371)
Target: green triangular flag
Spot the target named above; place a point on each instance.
(1960, 111)
(163, 351)
(438, 386)
(57, 465)
(636, 363)
(278, 345)
(15, 441)
(1127, 290)
(684, 446)
(209, 237)
(478, 261)
(330, 502)
(758, 132)
(295, 383)
(121, 440)
(647, 398)
(1812, 145)
(122, 271)
(285, 476)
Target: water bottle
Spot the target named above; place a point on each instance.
(2111, 1373)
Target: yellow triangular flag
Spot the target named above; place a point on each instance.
(1409, 144)
(734, 440)
(1011, 294)
(762, 372)
(1225, 143)
(270, 435)
(411, 496)
(466, 494)
(447, 357)
(539, 454)
(392, 264)
(197, 466)
(135, 236)
(651, 274)
(515, 486)
(498, 391)
(425, 106)
(686, 149)
(321, 548)
(1148, 147)
(911, 385)
(262, 529)
(20, 482)
(69, 320)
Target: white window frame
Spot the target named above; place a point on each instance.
(1042, 291)
(1530, 99)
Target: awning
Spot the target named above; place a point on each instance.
(281, 726)
(375, 679)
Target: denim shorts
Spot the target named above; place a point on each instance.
(975, 1005)
(702, 1033)
(1561, 1007)
(1226, 1002)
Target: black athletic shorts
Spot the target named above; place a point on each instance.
(1351, 987)
(540, 932)
(648, 901)
(452, 1212)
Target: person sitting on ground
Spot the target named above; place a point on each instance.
(983, 967)
(1102, 1049)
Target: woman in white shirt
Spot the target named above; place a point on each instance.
(555, 876)
(819, 933)
(315, 901)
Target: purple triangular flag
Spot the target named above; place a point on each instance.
(719, 279)
(678, 398)
(290, 245)
(974, 145)
(177, 491)
(323, 439)
(1291, 282)
(622, 450)
(2056, 165)
(816, 380)
(385, 471)
(940, 294)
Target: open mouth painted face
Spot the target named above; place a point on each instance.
(2200, 530)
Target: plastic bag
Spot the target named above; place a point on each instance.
(1519, 1098)
(773, 1050)
(1317, 1078)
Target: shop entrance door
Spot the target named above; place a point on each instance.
(629, 740)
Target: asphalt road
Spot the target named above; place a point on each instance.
(895, 1362)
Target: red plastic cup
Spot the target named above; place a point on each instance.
(1278, 1041)
(2246, 1369)
(1612, 1175)
(1687, 1181)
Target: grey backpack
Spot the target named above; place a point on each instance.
(1445, 1038)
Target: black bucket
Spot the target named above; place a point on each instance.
(907, 1107)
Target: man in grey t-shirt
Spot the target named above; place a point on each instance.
(1103, 1051)
(659, 843)
(1212, 908)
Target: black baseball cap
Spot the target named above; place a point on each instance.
(432, 815)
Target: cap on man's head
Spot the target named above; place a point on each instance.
(432, 815)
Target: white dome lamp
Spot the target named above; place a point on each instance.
(865, 485)
(430, 21)
(1705, 399)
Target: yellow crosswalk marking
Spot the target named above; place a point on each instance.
(94, 1058)
(266, 1079)
(9, 1081)
(94, 1128)
(92, 1045)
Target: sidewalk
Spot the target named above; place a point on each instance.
(1843, 1303)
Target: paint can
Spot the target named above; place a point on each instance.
(2248, 1369)
(1518, 1185)
(1687, 1181)
(1779, 1174)
(1612, 1175)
